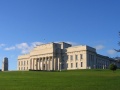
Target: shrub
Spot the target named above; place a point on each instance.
(113, 67)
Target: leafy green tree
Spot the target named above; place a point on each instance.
(118, 50)
(113, 67)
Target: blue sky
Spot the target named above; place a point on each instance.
(25, 23)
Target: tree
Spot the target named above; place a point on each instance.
(113, 67)
(118, 50)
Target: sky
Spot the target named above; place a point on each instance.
(27, 23)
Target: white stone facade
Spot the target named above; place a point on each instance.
(63, 56)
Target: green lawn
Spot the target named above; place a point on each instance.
(65, 80)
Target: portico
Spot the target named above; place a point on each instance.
(43, 63)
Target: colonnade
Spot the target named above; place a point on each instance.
(44, 63)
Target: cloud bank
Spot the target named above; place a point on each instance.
(2, 45)
(24, 47)
(99, 47)
(111, 52)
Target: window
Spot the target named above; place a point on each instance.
(62, 59)
(27, 62)
(19, 63)
(71, 57)
(24, 62)
(81, 64)
(81, 56)
(67, 57)
(62, 66)
(76, 65)
(67, 65)
(71, 65)
(76, 57)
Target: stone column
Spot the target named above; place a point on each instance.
(36, 63)
(30, 64)
(49, 64)
(58, 63)
(33, 64)
(45, 63)
(54, 63)
(42, 64)
(39, 64)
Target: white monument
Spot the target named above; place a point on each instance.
(5, 64)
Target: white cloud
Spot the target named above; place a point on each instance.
(10, 48)
(2, 45)
(34, 44)
(99, 47)
(22, 46)
(111, 52)
(25, 48)
(72, 43)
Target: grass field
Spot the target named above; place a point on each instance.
(65, 80)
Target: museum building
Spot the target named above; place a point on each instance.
(63, 56)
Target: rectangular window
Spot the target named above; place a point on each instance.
(71, 57)
(67, 57)
(81, 64)
(67, 65)
(71, 65)
(62, 66)
(19, 63)
(76, 65)
(81, 56)
(76, 57)
(24, 62)
(62, 59)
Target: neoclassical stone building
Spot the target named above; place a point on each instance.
(63, 56)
